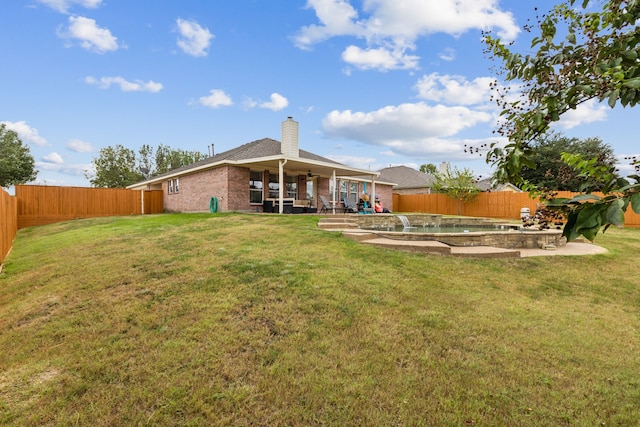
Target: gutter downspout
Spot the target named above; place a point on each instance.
(281, 164)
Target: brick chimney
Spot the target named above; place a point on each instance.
(289, 145)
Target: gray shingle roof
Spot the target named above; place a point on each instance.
(406, 177)
(484, 184)
(260, 148)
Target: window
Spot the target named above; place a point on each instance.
(310, 189)
(353, 193)
(173, 186)
(274, 186)
(349, 191)
(343, 190)
(292, 187)
(255, 187)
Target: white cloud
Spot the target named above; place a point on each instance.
(193, 40)
(66, 169)
(410, 129)
(79, 146)
(63, 6)
(90, 35)
(249, 103)
(409, 19)
(217, 98)
(454, 89)
(381, 58)
(125, 86)
(26, 132)
(587, 112)
(395, 25)
(447, 54)
(336, 19)
(277, 102)
(53, 158)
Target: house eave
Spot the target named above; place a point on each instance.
(294, 164)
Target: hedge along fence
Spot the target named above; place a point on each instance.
(8, 223)
(39, 205)
(502, 205)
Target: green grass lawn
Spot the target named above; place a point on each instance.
(232, 319)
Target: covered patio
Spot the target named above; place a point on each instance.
(318, 178)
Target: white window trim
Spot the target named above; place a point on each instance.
(256, 190)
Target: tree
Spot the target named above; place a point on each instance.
(117, 167)
(429, 168)
(457, 184)
(146, 162)
(553, 173)
(168, 158)
(578, 56)
(17, 165)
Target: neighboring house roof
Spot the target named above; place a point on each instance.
(485, 185)
(507, 187)
(406, 177)
(265, 153)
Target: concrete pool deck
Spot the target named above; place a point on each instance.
(574, 248)
(438, 248)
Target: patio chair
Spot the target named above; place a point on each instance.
(350, 206)
(326, 206)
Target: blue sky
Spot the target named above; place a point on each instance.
(373, 83)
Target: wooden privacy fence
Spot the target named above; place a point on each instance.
(39, 205)
(8, 223)
(503, 204)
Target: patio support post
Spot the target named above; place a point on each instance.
(281, 164)
(333, 193)
(373, 190)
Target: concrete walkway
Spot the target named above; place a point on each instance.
(572, 248)
(438, 248)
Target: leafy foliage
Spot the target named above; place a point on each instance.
(117, 167)
(552, 170)
(429, 168)
(16, 161)
(579, 55)
(457, 184)
(168, 158)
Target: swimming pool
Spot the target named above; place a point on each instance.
(459, 231)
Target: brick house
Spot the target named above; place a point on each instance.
(264, 176)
